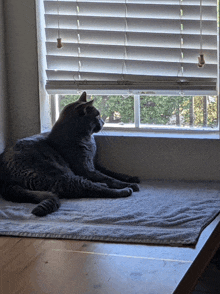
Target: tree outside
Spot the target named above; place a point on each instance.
(197, 111)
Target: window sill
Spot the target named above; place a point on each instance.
(193, 134)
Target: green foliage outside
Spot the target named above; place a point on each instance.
(113, 108)
(156, 110)
(159, 109)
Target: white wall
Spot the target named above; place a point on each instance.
(161, 158)
(22, 68)
(3, 94)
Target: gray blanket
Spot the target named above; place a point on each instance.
(161, 213)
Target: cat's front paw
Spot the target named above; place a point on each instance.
(124, 192)
(134, 187)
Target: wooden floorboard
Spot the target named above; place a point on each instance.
(38, 266)
(47, 266)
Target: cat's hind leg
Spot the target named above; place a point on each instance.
(48, 202)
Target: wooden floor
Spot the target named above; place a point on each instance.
(32, 266)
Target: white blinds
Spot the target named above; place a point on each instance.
(130, 46)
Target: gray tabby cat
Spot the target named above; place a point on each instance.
(60, 164)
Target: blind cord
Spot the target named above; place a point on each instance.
(59, 40)
(201, 58)
(78, 40)
(181, 69)
(125, 41)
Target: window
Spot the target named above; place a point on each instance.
(138, 57)
(143, 113)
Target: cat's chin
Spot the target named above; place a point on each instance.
(97, 129)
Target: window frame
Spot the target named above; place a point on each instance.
(49, 108)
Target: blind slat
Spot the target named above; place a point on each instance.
(133, 25)
(172, 86)
(136, 67)
(133, 10)
(133, 53)
(161, 2)
(60, 75)
(133, 39)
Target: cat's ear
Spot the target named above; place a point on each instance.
(82, 97)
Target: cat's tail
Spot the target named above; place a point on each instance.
(48, 202)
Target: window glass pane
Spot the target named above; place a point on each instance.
(67, 99)
(113, 109)
(169, 111)
(180, 111)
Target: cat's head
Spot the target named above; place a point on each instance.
(82, 116)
